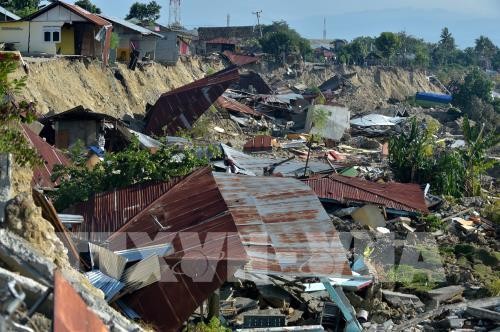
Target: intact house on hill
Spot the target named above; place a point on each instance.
(133, 37)
(220, 39)
(59, 28)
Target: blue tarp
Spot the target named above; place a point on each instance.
(434, 97)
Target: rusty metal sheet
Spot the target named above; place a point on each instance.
(194, 218)
(222, 40)
(235, 106)
(50, 155)
(180, 108)
(399, 196)
(259, 143)
(240, 59)
(70, 311)
(283, 226)
(49, 213)
(105, 213)
(254, 81)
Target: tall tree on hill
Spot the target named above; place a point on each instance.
(444, 52)
(388, 43)
(485, 50)
(447, 41)
(88, 6)
(146, 13)
(279, 39)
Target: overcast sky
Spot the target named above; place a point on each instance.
(466, 19)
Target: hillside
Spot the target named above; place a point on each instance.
(59, 85)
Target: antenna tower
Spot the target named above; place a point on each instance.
(324, 29)
(174, 18)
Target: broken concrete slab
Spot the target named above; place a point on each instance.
(483, 313)
(446, 294)
(5, 182)
(396, 299)
(20, 256)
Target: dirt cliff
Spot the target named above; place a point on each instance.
(59, 85)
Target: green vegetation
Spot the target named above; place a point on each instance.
(416, 157)
(12, 114)
(213, 326)
(433, 223)
(130, 166)
(21, 7)
(146, 13)
(115, 41)
(88, 6)
(413, 278)
(281, 40)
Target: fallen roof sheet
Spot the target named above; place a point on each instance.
(109, 286)
(254, 81)
(259, 143)
(399, 196)
(50, 155)
(105, 213)
(180, 108)
(254, 166)
(283, 226)
(235, 106)
(376, 120)
(193, 217)
(240, 59)
(4, 12)
(72, 312)
(134, 27)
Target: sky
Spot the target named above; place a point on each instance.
(466, 19)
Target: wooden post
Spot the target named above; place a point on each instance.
(214, 305)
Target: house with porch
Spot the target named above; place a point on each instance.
(59, 28)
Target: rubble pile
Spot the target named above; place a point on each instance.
(296, 224)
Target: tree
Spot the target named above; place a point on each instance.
(359, 49)
(475, 84)
(88, 6)
(445, 50)
(447, 41)
(121, 169)
(279, 39)
(146, 13)
(13, 113)
(21, 7)
(387, 43)
(485, 50)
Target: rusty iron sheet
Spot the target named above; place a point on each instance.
(193, 217)
(283, 226)
(180, 108)
(399, 196)
(50, 156)
(70, 311)
(240, 59)
(235, 106)
(49, 213)
(105, 213)
(259, 143)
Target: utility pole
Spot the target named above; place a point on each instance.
(228, 20)
(324, 28)
(258, 13)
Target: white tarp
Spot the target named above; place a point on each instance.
(337, 123)
(376, 120)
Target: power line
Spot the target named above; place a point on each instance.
(258, 13)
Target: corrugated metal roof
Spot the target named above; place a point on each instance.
(399, 196)
(137, 254)
(72, 312)
(283, 226)
(108, 285)
(105, 213)
(240, 59)
(259, 143)
(235, 106)
(180, 108)
(79, 113)
(131, 26)
(252, 166)
(75, 9)
(222, 40)
(50, 155)
(194, 218)
(11, 15)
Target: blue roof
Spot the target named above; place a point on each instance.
(5, 12)
(132, 26)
